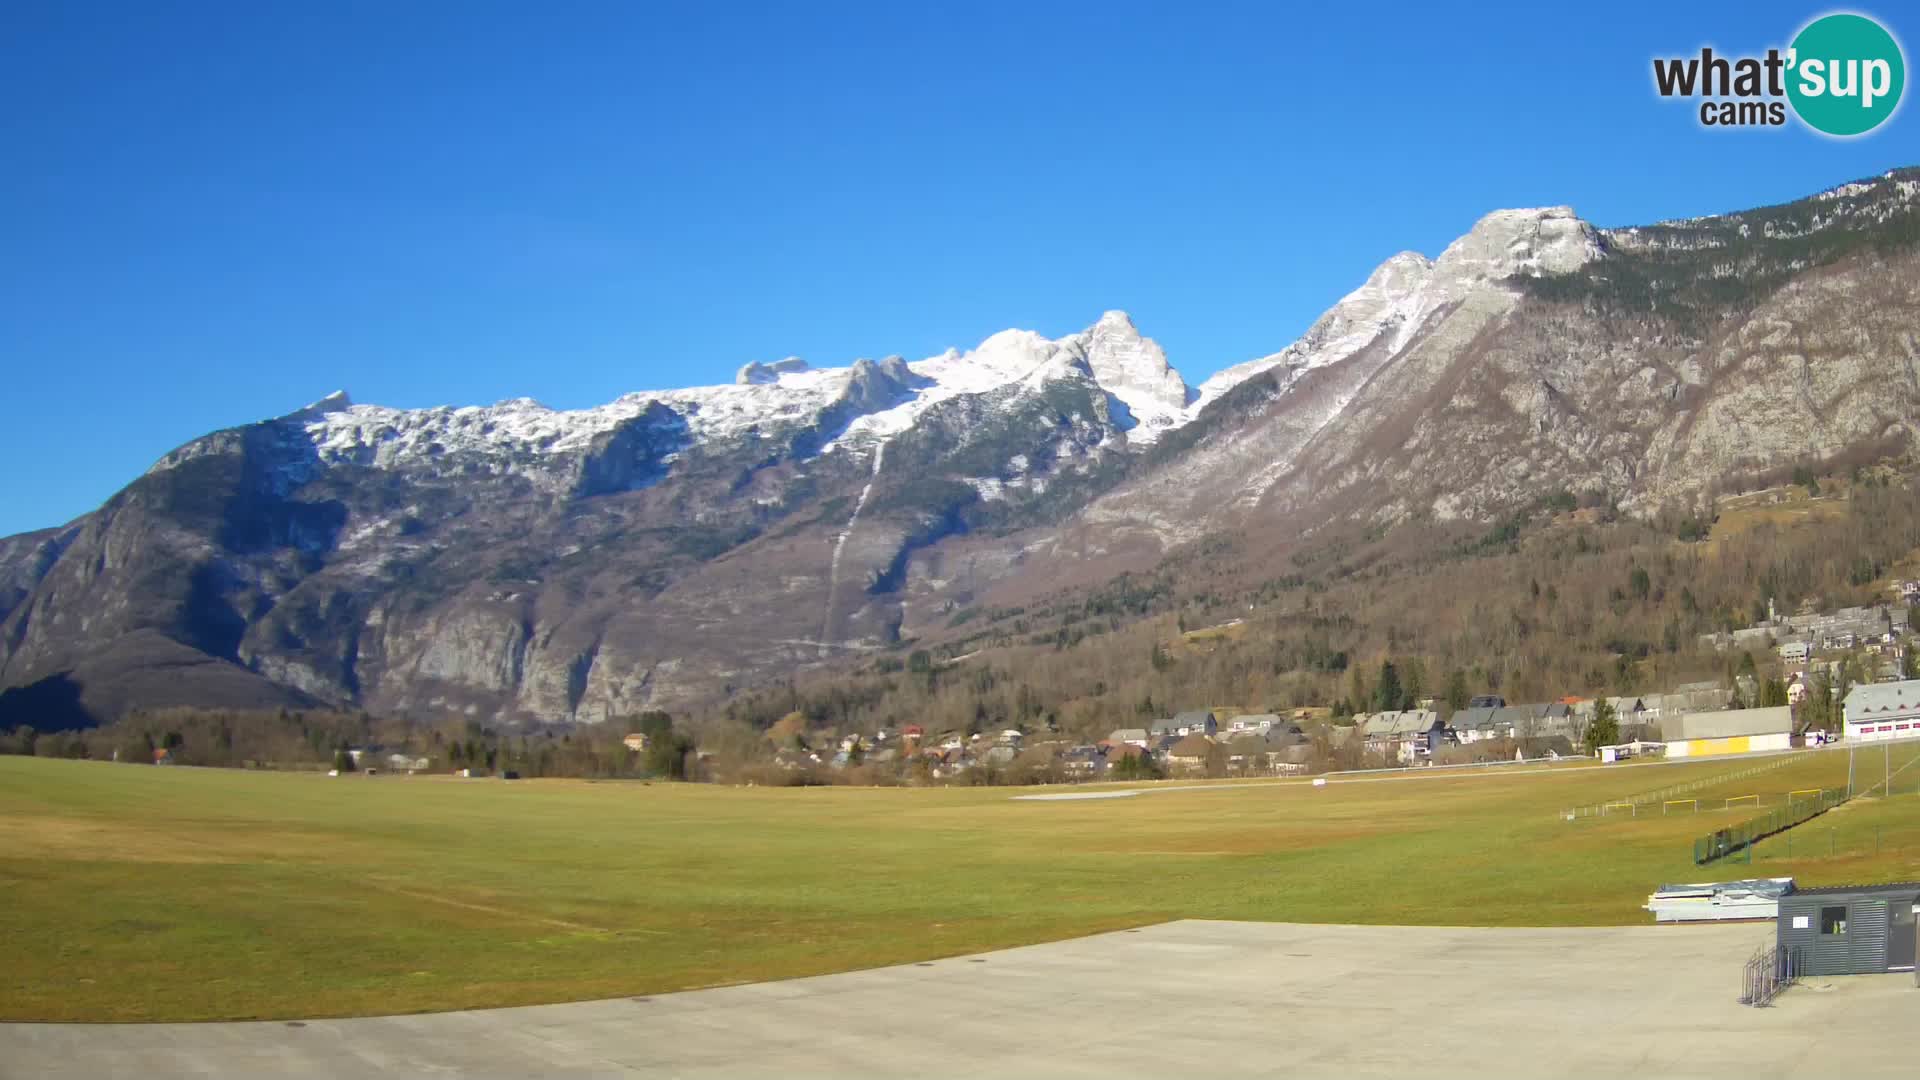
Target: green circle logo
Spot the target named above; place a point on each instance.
(1846, 74)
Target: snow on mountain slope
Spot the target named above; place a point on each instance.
(1132, 368)
(1404, 291)
(1354, 348)
(1135, 370)
(1397, 298)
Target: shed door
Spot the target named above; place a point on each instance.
(1900, 941)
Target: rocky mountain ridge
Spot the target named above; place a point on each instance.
(515, 562)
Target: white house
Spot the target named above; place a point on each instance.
(1796, 691)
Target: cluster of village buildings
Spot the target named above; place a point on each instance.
(1691, 721)
(1189, 742)
(1201, 740)
(1878, 630)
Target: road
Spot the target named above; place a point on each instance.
(1193, 997)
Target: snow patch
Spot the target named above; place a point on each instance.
(1147, 396)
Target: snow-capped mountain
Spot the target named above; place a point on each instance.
(882, 399)
(879, 400)
(519, 562)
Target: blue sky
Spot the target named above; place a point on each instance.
(213, 213)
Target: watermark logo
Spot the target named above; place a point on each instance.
(1842, 75)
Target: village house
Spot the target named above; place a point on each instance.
(1255, 722)
(1247, 753)
(1038, 758)
(1131, 736)
(1555, 719)
(1630, 713)
(1514, 722)
(1275, 750)
(1084, 761)
(1550, 747)
(1191, 722)
(636, 742)
(1407, 736)
(1190, 753)
(1475, 724)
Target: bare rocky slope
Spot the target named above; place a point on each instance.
(519, 563)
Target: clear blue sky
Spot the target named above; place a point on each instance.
(212, 213)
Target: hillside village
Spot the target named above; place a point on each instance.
(1819, 663)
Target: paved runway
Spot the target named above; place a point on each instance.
(1186, 998)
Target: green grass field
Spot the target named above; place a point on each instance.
(136, 893)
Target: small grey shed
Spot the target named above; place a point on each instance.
(1850, 929)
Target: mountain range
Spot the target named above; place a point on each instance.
(517, 563)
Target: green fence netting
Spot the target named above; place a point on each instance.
(1723, 842)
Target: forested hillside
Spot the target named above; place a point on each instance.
(1559, 599)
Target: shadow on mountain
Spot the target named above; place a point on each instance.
(52, 704)
(142, 670)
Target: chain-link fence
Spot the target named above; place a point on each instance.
(1633, 803)
(1724, 842)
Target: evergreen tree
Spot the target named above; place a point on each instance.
(1604, 729)
(1387, 693)
(1773, 692)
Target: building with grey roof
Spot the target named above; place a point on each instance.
(1190, 722)
(1730, 731)
(1883, 710)
(1474, 723)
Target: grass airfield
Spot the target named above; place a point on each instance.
(139, 893)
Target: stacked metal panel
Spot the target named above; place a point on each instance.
(1753, 898)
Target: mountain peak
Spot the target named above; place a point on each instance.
(1133, 368)
(755, 373)
(338, 401)
(1533, 241)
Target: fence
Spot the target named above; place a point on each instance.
(1723, 842)
(1660, 795)
(1769, 971)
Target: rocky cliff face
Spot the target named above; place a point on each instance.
(517, 562)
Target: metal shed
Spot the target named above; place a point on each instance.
(1850, 929)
